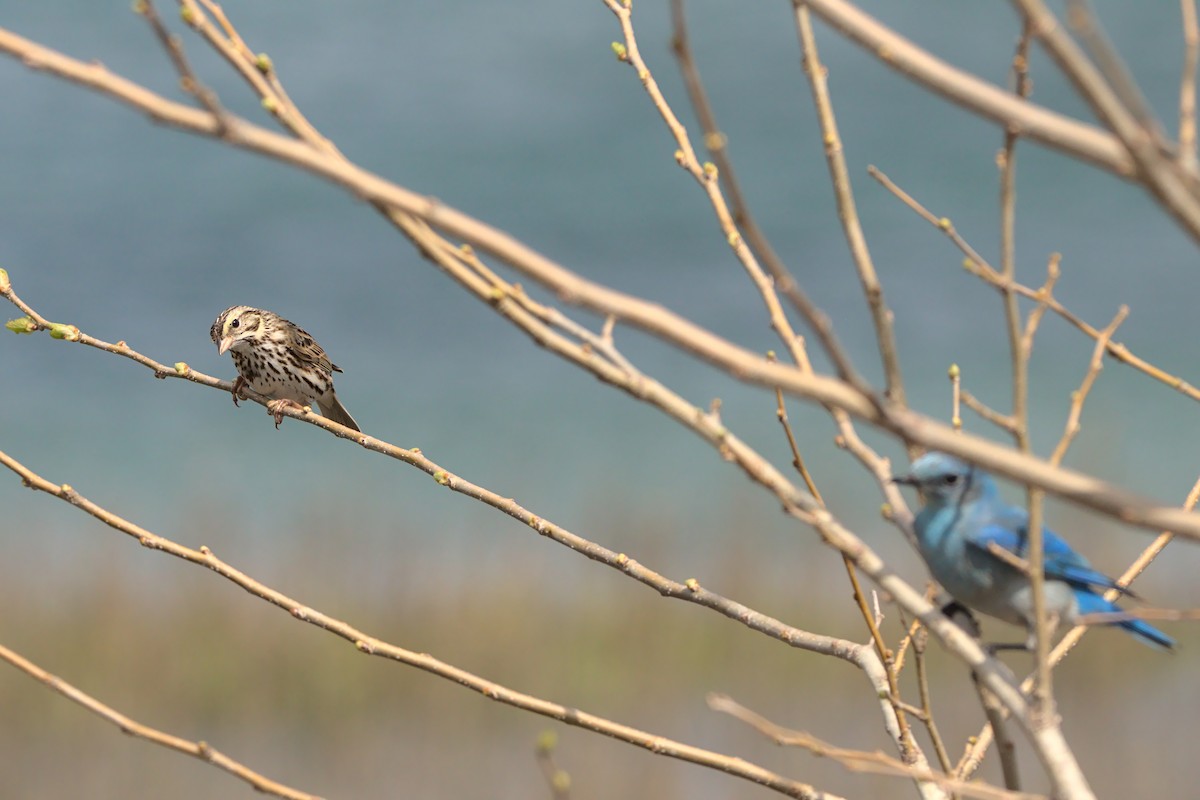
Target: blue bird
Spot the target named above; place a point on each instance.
(964, 517)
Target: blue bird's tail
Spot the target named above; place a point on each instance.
(1090, 603)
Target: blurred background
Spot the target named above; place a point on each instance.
(518, 114)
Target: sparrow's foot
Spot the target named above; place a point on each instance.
(275, 408)
(239, 389)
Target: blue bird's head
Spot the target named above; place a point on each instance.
(946, 480)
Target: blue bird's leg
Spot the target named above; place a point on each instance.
(963, 617)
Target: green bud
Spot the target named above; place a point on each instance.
(60, 331)
(181, 367)
(953, 372)
(561, 782)
(547, 740)
(620, 52)
(21, 325)
(264, 64)
(4, 283)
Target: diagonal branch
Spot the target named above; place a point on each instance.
(200, 750)
(1156, 170)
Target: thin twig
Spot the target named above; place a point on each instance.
(907, 745)
(200, 750)
(1079, 396)
(881, 315)
(188, 81)
(1005, 747)
(857, 760)
(716, 144)
(1157, 171)
(707, 177)
(978, 266)
(557, 779)
(1002, 421)
(1187, 86)
(1083, 21)
(956, 396)
(979, 96)
(920, 639)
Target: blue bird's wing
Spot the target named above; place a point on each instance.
(1062, 563)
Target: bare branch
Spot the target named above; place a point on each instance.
(858, 760)
(974, 94)
(1156, 170)
(1187, 86)
(200, 750)
(881, 315)
(717, 146)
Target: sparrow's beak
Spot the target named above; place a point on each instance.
(225, 344)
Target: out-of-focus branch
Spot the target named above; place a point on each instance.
(856, 241)
(557, 779)
(371, 645)
(200, 750)
(188, 81)
(1079, 396)
(1157, 171)
(1020, 343)
(859, 760)
(1110, 67)
(907, 745)
(1050, 128)
(717, 146)
(1187, 86)
(707, 177)
(784, 281)
(977, 265)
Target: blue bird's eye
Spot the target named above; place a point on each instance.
(951, 479)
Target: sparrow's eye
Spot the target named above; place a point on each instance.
(235, 323)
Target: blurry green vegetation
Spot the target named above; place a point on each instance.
(189, 653)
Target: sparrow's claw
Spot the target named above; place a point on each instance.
(239, 385)
(275, 408)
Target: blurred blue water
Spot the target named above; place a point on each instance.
(134, 232)
(518, 114)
